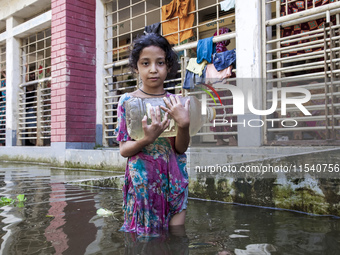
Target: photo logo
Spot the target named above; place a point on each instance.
(296, 96)
(213, 90)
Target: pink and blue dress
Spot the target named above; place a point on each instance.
(156, 182)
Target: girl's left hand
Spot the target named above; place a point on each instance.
(179, 112)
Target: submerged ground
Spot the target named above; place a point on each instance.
(60, 217)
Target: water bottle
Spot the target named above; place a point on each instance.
(137, 108)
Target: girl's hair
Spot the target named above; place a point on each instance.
(153, 39)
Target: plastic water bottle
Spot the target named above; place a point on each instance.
(137, 108)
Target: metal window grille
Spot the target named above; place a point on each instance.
(125, 20)
(35, 94)
(3, 94)
(301, 50)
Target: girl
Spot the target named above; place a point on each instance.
(156, 181)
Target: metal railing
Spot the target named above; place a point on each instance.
(3, 115)
(127, 19)
(35, 113)
(301, 50)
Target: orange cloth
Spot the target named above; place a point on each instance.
(178, 8)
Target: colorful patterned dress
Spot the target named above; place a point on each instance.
(156, 180)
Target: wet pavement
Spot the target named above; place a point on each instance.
(60, 218)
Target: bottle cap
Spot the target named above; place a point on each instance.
(211, 113)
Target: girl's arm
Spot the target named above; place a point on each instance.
(151, 133)
(180, 114)
(182, 140)
(130, 148)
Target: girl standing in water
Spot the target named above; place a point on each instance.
(156, 180)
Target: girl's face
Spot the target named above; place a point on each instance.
(152, 67)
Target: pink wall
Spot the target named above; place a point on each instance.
(73, 55)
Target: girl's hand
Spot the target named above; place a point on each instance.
(157, 126)
(179, 112)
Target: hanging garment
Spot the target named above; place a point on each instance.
(205, 50)
(192, 79)
(222, 46)
(227, 5)
(224, 59)
(180, 9)
(196, 68)
(213, 76)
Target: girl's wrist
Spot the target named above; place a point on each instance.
(183, 129)
(184, 125)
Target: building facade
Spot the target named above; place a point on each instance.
(65, 64)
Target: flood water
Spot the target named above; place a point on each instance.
(59, 218)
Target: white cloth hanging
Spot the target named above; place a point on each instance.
(227, 5)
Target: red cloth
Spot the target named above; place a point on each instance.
(222, 46)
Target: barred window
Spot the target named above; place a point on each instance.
(35, 94)
(125, 20)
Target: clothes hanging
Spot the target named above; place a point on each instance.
(213, 76)
(224, 59)
(180, 9)
(205, 50)
(192, 79)
(227, 5)
(196, 68)
(222, 46)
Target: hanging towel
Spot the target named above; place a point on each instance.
(205, 50)
(178, 8)
(227, 5)
(196, 68)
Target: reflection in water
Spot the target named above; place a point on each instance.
(78, 212)
(26, 232)
(55, 218)
(2, 224)
(70, 231)
(61, 219)
(54, 231)
(259, 249)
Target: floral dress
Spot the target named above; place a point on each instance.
(155, 185)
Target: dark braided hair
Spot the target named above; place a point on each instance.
(153, 39)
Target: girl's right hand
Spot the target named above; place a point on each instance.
(157, 126)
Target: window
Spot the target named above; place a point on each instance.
(35, 96)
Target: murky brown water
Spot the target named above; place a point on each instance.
(59, 218)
